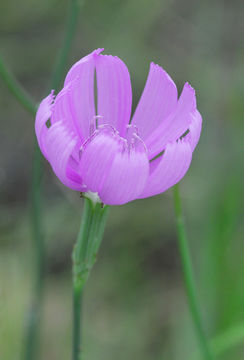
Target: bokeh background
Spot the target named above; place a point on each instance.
(134, 305)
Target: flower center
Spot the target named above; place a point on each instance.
(114, 166)
(131, 139)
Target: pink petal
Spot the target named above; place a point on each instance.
(194, 129)
(80, 97)
(176, 124)
(59, 144)
(168, 169)
(62, 109)
(114, 94)
(158, 99)
(42, 116)
(97, 157)
(77, 69)
(127, 176)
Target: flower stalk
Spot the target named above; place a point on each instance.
(84, 256)
(189, 278)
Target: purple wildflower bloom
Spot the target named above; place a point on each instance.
(97, 148)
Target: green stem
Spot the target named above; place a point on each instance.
(84, 256)
(32, 328)
(16, 89)
(225, 341)
(34, 314)
(188, 277)
(77, 300)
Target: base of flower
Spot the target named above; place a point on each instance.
(93, 196)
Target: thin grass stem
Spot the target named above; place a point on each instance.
(16, 88)
(30, 351)
(223, 342)
(188, 276)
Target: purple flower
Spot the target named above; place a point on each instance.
(95, 146)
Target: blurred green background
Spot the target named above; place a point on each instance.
(134, 305)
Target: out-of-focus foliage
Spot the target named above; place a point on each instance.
(134, 305)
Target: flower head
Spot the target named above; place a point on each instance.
(95, 146)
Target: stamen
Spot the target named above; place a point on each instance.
(131, 130)
(126, 144)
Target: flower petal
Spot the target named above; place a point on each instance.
(97, 157)
(114, 94)
(127, 176)
(42, 116)
(59, 144)
(62, 109)
(194, 129)
(77, 69)
(80, 97)
(169, 169)
(176, 124)
(158, 99)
